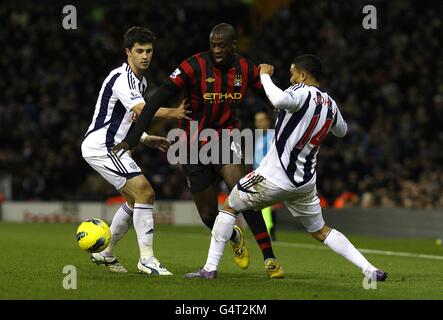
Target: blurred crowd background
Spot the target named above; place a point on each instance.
(387, 82)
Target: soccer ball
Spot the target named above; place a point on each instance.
(93, 235)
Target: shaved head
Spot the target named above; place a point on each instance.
(224, 31)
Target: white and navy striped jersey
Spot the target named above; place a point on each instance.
(306, 115)
(113, 115)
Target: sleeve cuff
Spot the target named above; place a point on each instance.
(265, 78)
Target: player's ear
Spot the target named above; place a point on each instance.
(234, 44)
(128, 52)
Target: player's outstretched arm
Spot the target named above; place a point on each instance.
(280, 99)
(161, 97)
(339, 127)
(155, 142)
(182, 112)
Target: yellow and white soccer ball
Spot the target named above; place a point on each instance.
(93, 235)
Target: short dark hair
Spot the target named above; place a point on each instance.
(310, 63)
(225, 29)
(138, 34)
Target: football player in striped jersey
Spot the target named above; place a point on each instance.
(287, 172)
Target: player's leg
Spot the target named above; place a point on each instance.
(201, 181)
(121, 221)
(338, 243)
(238, 201)
(120, 225)
(221, 233)
(207, 204)
(232, 173)
(308, 208)
(269, 221)
(143, 194)
(139, 188)
(125, 175)
(247, 196)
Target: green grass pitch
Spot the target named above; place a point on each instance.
(33, 256)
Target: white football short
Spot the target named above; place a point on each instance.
(254, 192)
(116, 170)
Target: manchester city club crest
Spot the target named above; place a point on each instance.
(237, 80)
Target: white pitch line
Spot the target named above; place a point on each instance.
(320, 247)
(371, 251)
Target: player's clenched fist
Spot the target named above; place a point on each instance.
(266, 69)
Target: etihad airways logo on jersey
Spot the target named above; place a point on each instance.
(215, 97)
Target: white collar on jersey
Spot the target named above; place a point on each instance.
(129, 69)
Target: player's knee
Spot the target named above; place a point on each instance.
(208, 221)
(226, 205)
(149, 194)
(318, 236)
(145, 194)
(234, 203)
(321, 234)
(228, 208)
(221, 231)
(207, 210)
(129, 199)
(207, 213)
(130, 203)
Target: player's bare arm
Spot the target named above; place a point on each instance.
(259, 89)
(276, 96)
(183, 111)
(161, 97)
(138, 108)
(281, 99)
(155, 142)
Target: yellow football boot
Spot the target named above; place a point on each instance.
(274, 269)
(241, 254)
